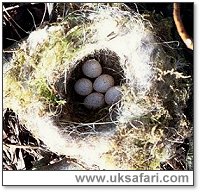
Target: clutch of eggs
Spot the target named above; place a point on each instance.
(106, 92)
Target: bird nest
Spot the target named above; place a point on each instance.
(142, 131)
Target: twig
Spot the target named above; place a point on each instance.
(180, 27)
(16, 6)
(22, 146)
(12, 51)
(44, 14)
(13, 39)
(6, 12)
(11, 8)
(32, 18)
(4, 16)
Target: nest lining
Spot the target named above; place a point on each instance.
(76, 111)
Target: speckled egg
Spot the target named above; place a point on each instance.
(92, 68)
(94, 101)
(103, 83)
(83, 87)
(113, 95)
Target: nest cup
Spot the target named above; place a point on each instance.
(74, 110)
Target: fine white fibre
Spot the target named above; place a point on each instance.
(89, 149)
(133, 43)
